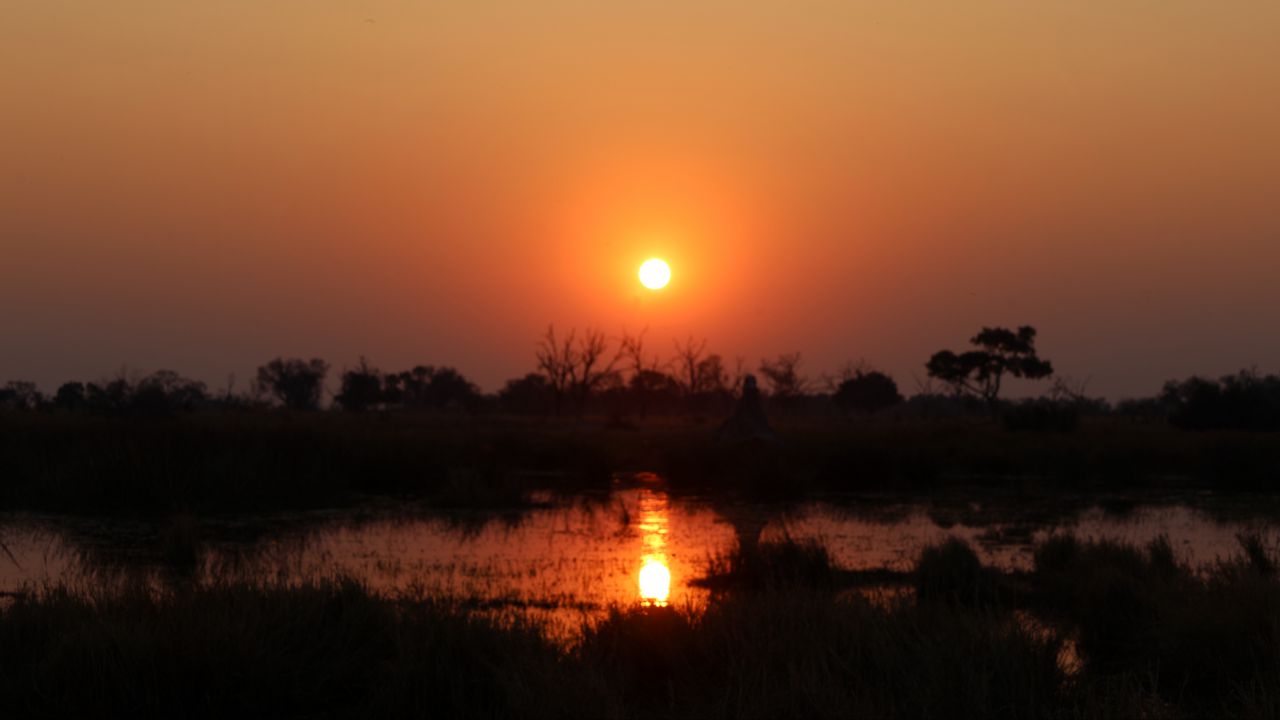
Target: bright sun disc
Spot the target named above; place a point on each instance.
(655, 274)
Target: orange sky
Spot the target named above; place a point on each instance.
(204, 188)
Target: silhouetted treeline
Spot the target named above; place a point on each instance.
(422, 388)
(161, 393)
(590, 373)
(1244, 401)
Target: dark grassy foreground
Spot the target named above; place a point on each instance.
(260, 460)
(1156, 641)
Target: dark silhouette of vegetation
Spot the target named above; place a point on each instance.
(428, 387)
(689, 361)
(575, 366)
(228, 457)
(779, 566)
(786, 382)
(529, 395)
(296, 384)
(160, 394)
(867, 392)
(334, 649)
(362, 388)
(1207, 642)
(951, 572)
(981, 372)
(1096, 629)
(113, 397)
(165, 392)
(70, 396)
(1244, 401)
(61, 457)
(1040, 415)
(590, 374)
(20, 395)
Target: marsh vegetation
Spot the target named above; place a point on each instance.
(1093, 628)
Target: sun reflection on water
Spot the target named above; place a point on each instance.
(655, 582)
(655, 572)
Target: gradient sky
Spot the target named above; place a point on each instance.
(205, 186)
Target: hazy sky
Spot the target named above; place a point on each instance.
(203, 186)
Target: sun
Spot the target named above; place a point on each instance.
(655, 274)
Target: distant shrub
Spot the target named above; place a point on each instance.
(777, 566)
(1146, 409)
(530, 394)
(20, 395)
(867, 392)
(436, 388)
(295, 383)
(938, 406)
(362, 388)
(165, 392)
(161, 393)
(1244, 401)
(70, 396)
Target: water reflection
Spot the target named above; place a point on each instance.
(570, 562)
(655, 582)
(655, 572)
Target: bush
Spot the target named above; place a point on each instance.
(774, 566)
(951, 573)
(328, 650)
(867, 392)
(1206, 642)
(1244, 401)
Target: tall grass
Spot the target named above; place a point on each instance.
(326, 650)
(810, 654)
(787, 564)
(333, 650)
(951, 572)
(1207, 642)
(1157, 639)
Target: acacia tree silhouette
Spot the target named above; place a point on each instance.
(979, 373)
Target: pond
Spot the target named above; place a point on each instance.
(568, 560)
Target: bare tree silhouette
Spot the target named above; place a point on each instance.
(556, 361)
(689, 357)
(783, 374)
(575, 366)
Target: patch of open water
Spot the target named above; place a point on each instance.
(572, 559)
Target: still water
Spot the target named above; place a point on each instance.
(570, 559)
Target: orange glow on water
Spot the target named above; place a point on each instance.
(655, 573)
(655, 582)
